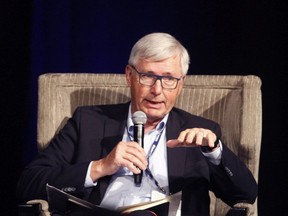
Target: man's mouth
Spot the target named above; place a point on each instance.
(154, 103)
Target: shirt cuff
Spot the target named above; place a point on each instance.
(215, 156)
(88, 180)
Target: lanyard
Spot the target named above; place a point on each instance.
(150, 153)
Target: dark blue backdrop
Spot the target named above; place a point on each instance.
(222, 37)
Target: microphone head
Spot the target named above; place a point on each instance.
(139, 117)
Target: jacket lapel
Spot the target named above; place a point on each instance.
(114, 127)
(113, 133)
(176, 157)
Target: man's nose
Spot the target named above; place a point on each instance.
(157, 87)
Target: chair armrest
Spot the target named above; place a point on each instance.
(35, 207)
(240, 209)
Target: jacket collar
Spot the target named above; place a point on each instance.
(175, 156)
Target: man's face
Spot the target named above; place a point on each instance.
(155, 101)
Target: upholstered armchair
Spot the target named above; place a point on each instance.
(232, 101)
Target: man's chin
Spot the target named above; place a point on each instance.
(155, 115)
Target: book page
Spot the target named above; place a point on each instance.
(147, 205)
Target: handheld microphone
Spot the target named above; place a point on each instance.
(139, 119)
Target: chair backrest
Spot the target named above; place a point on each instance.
(232, 101)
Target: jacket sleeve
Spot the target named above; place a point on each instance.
(232, 181)
(55, 166)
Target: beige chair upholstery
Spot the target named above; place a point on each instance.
(232, 101)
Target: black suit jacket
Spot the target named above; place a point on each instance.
(93, 132)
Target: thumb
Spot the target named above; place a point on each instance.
(173, 143)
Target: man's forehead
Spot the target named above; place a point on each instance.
(162, 67)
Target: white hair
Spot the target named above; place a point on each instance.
(158, 47)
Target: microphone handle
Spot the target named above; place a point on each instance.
(139, 138)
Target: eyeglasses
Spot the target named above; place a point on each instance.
(148, 79)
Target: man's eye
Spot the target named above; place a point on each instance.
(168, 78)
(147, 76)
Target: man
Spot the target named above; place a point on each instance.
(95, 154)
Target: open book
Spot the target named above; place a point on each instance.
(62, 202)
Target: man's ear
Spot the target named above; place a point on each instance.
(184, 78)
(128, 72)
(181, 84)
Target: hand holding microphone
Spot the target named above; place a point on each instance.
(139, 119)
(121, 154)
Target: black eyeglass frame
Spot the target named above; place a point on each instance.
(157, 77)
